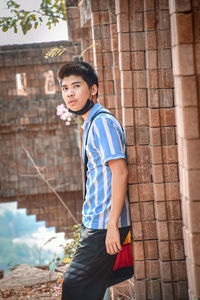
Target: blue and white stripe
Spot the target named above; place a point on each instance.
(106, 141)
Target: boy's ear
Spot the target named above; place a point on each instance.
(94, 89)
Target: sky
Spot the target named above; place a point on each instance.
(39, 237)
(41, 34)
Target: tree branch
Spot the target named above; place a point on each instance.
(49, 185)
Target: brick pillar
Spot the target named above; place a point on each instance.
(185, 28)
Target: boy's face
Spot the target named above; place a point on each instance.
(75, 92)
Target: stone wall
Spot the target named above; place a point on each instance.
(29, 94)
(130, 44)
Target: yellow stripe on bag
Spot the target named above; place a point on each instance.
(128, 238)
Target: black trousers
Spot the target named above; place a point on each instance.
(91, 268)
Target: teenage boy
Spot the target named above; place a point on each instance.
(105, 213)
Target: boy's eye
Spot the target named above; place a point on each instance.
(77, 85)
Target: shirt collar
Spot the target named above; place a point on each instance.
(94, 109)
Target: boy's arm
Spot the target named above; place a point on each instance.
(119, 182)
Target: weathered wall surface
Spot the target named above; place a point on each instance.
(29, 94)
(131, 48)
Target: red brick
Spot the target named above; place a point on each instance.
(157, 172)
(108, 87)
(151, 249)
(179, 272)
(170, 154)
(187, 90)
(144, 173)
(137, 60)
(150, 20)
(193, 184)
(95, 18)
(166, 97)
(124, 41)
(152, 269)
(173, 210)
(138, 249)
(133, 193)
(121, 6)
(182, 28)
(107, 59)
(136, 23)
(122, 23)
(163, 21)
(170, 172)
(155, 136)
(165, 78)
(163, 39)
(139, 269)
(179, 6)
(143, 154)
(154, 117)
(167, 291)
(162, 230)
(152, 79)
(177, 250)
(153, 98)
(181, 290)
(140, 289)
(135, 212)
(140, 97)
(141, 116)
(136, 6)
(147, 211)
(128, 116)
(139, 79)
(110, 101)
(172, 190)
(149, 5)
(126, 79)
(127, 98)
(132, 178)
(142, 135)
(156, 155)
(130, 136)
(161, 212)
(146, 192)
(104, 17)
(196, 15)
(166, 273)
(167, 117)
(137, 231)
(151, 59)
(168, 136)
(164, 250)
(164, 59)
(131, 154)
(154, 289)
(137, 41)
(183, 53)
(124, 61)
(150, 40)
(175, 230)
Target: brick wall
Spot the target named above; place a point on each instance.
(133, 45)
(185, 26)
(28, 119)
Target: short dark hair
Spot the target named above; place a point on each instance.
(80, 68)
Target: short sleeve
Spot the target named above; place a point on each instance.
(109, 138)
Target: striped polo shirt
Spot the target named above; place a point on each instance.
(106, 141)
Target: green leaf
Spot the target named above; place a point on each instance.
(4, 28)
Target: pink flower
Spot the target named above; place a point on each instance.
(60, 109)
(67, 123)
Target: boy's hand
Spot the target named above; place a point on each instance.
(113, 245)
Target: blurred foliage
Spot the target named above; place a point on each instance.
(71, 245)
(50, 11)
